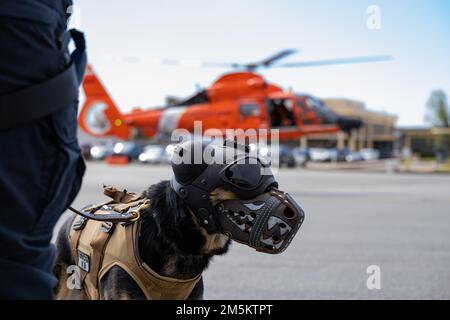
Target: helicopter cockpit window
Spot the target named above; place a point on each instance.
(302, 106)
(326, 114)
(281, 112)
(250, 110)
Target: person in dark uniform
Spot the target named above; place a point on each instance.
(41, 167)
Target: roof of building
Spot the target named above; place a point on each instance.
(353, 108)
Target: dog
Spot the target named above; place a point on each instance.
(191, 219)
(172, 243)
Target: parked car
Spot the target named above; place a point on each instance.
(284, 156)
(155, 154)
(102, 150)
(342, 154)
(130, 149)
(301, 156)
(354, 157)
(370, 154)
(323, 155)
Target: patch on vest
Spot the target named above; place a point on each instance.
(83, 261)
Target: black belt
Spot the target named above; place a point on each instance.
(45, 98)
(39, 100)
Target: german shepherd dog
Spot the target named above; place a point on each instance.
(172, 243)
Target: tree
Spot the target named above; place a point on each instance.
(438, 112)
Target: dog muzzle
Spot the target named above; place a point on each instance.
(267, 223)
(261, 217)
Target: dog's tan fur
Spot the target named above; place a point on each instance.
(216, 241)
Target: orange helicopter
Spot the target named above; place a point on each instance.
(239, 100)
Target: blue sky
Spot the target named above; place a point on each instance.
(416, 33)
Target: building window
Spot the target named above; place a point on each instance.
(380, 129)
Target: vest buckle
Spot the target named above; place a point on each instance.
(80, 223)
(107, 227)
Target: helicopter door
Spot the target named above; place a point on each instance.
(281, 113)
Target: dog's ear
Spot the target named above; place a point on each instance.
(176, 205)
(166, 203)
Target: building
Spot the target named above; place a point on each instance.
(378, 130)
(426, 142)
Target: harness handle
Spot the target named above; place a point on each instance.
(114, 217)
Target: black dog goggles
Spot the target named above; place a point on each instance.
(246, 177)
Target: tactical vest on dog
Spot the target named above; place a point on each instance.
(97, 246)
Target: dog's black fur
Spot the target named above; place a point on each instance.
(171, 242)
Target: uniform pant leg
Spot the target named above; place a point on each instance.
(40, 164)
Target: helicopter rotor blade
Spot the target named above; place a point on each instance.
(251, 66)
(267, 63)
(170, 62)
(317, 63)
(280, 55)
(195, 63)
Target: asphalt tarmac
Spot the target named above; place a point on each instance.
(354, 219)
